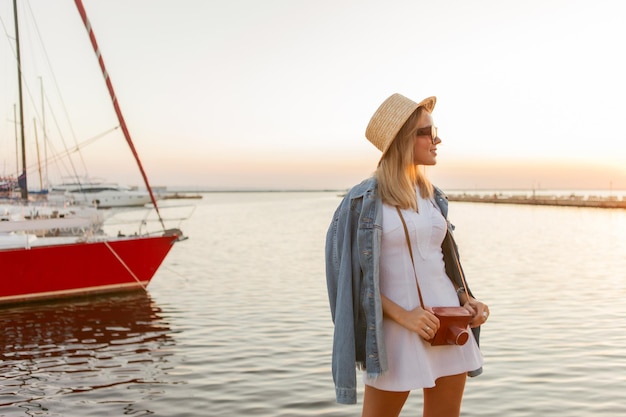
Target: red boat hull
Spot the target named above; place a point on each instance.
(81, 268)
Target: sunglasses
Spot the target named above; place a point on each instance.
(428, 131)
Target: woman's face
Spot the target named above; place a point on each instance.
(425, 147)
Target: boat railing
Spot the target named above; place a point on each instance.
(142, 221)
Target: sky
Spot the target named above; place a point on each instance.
(276, 94)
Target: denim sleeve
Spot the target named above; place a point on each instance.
(341, 298)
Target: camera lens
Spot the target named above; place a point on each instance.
(457, 335)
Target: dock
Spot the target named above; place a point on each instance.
(573, 200)
(180, 196)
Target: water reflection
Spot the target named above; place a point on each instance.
(116, 343)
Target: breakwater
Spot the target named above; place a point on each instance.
(573, 200)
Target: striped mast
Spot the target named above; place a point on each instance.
(116, 106)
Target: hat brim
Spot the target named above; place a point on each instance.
(391, 116)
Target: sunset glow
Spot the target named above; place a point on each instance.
(277, 94)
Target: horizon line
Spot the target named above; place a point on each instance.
(201, 189)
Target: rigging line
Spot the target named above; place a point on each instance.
(56, 157)
(175, 272)
(6, 32)
(125, 266)
(38, 118)
(118, 111)
(60, 132)
(58, 90)
(56, 84)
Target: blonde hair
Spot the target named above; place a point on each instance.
(397, 173)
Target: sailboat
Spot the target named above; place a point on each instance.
(40, 266)
(100, 194)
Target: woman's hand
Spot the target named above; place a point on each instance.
(479, 310)
(423, 322)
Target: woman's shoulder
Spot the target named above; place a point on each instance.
(355, 197)
(366, 186)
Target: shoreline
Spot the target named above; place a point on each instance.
(573, 200)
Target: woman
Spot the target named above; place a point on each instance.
(380, 324)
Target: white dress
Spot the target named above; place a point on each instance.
(413, 362)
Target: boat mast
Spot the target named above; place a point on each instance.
(45, 136)
(118, 111)
(22, 178)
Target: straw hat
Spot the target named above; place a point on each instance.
(391, 116)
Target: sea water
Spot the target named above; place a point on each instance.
(236, 322)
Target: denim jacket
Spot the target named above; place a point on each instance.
(352, 275)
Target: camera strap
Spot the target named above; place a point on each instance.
(408, 242)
